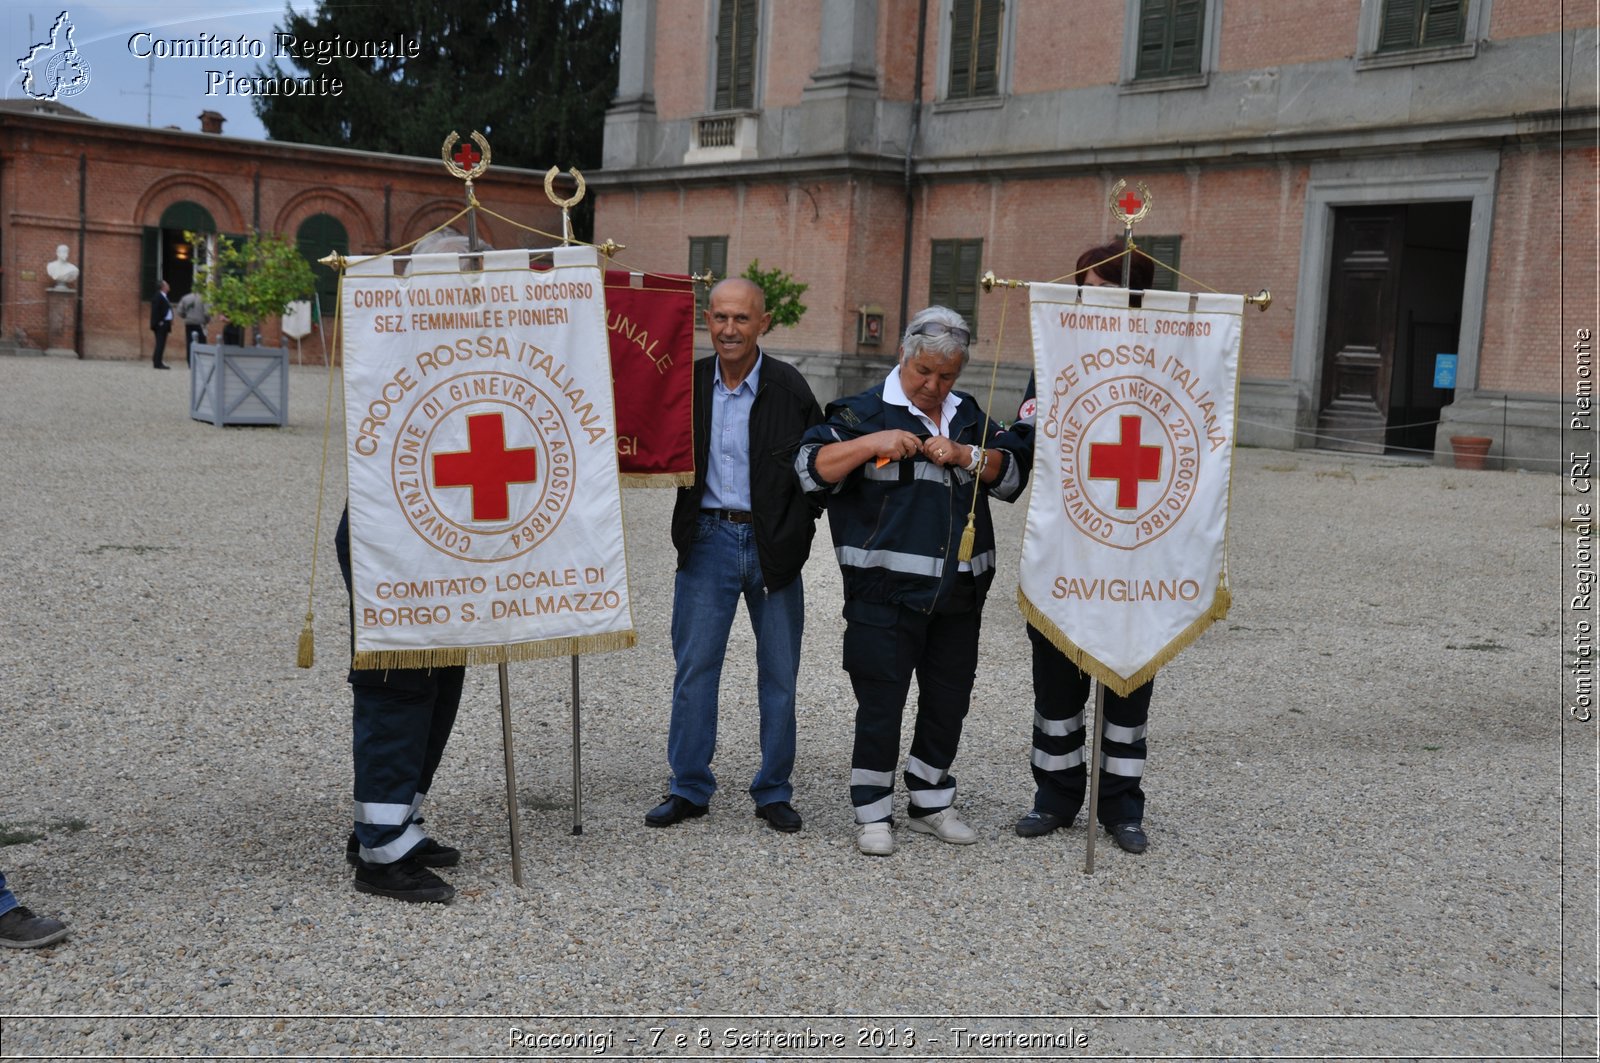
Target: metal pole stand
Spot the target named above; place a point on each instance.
(577, 752)
(512, 813)
(1093, 768)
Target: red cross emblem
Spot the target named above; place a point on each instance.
(1130, 203)
(486, 466)
(1127, 462)
(467, 156)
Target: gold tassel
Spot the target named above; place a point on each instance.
(967, 537)
(305, 656)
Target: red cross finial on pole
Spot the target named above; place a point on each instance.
(486, 466)
(1129, 209)
(470, 160)
(1128, 462)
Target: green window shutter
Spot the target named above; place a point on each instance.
(1153, 17)
(942, 272)
(1165, 251)
(1400, 24)
(1170, 36)
(706, 253)
(1188, 17)
(953, 276)
(725, 20)
(149, 261)
(974, 48)
(1443, 22)
(736, 54)
(968, 257)
(318, 235)
(986, 49)
(744, 59)
(963, 16)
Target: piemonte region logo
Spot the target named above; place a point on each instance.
(54, 69)
(484, 467)
(1129, 459)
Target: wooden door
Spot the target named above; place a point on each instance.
(1359, 345)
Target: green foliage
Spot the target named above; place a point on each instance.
(533, 76)
(783, 293)
(254, 280)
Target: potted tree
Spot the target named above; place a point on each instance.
(246, 282)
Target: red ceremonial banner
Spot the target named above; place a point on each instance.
(650, 319)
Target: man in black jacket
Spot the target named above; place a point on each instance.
(742, 530)
(160, 322)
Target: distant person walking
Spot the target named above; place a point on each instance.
(195, 319)
(160, 322)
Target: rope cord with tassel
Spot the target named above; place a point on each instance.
(969, 534)
(305, 654)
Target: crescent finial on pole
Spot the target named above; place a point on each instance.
(567, 204)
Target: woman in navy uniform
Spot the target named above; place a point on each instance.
(895, 466)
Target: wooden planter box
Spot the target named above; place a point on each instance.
(239, 385)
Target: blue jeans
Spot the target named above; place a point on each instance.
(722, 568)
(8, 900)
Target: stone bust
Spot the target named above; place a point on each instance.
(61, 271)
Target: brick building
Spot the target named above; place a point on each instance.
(1408, 177)
(122, 197)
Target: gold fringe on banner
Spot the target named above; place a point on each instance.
(656, 479)
(521, 651)
(1220, 604)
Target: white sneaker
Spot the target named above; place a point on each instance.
(946, 826)
(876, 839)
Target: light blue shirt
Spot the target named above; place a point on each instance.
(728, 455)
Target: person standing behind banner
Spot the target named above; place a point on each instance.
(195, 319)
(895, 465)
(1061, 688)
(160, 322)
(401, 721)
(742, 530)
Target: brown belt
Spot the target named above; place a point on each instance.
(733, 516)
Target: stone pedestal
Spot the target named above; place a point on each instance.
(59, 304)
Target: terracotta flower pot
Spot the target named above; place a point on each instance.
(1470, 450)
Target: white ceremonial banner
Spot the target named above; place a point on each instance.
(485, 510)
(1124, 561)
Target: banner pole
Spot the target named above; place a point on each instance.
(468, 164)
(513, 816)
(566, 204)
(1093, 768)
(577, 753)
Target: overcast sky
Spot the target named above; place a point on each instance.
(122, 86)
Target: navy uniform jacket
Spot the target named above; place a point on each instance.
(897, 529)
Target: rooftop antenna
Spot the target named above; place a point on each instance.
(149, 85)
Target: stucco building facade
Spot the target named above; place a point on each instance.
(1408, 177)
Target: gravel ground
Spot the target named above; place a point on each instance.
(1358, 788)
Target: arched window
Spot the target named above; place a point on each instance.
(167, 254)
(316, 236)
